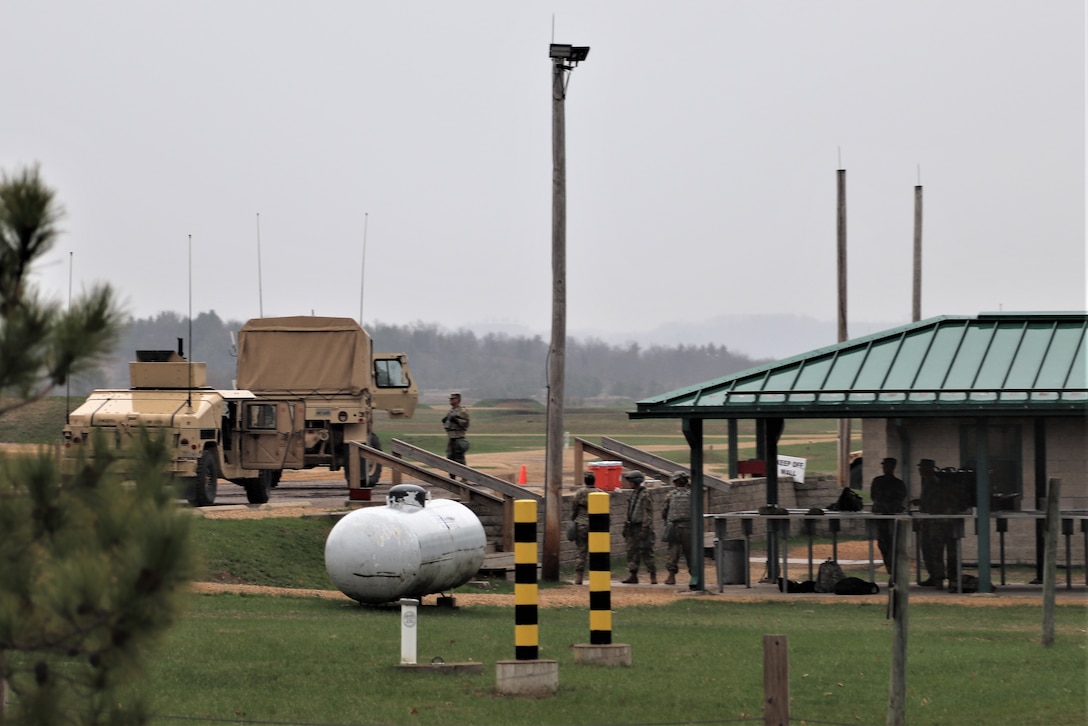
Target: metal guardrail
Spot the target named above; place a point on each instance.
(359, 452)
(635, 458)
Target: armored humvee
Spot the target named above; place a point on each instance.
(212, 433)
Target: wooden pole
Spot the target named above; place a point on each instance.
(916, 297)
(1050, 559)
(899, 601)
(776, 680)
(844, 424)
(553, 478)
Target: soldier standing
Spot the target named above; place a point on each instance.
(889, 495)
(938, 535)
(638, 530)
(456, 422)
(677, 512)
(579, 513)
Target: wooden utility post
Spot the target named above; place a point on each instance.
(564, 59)
(844, 423)
(916, 297)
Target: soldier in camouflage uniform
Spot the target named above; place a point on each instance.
(938, 536)
(638, 530)
(456, 424)
(579, 513)
(677, 512)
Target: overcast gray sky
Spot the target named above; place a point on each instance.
(703, 140)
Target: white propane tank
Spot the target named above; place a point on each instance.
(411, 547)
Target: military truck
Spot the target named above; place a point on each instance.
(328, 365)
(211, 433)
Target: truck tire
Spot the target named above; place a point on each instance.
(260, 489)
(206, 482)
(374, 471)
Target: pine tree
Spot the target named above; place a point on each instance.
(91, 567)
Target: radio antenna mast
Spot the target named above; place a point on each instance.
(260, 282)
(189, 394)
(362, 273)
(68, 379)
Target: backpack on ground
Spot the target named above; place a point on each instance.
(829, 574)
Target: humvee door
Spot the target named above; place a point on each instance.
(272, 434)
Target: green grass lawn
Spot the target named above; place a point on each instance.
(293, 660)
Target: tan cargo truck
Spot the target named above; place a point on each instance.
(328, 365)
(211, 433)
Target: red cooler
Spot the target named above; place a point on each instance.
(607, 473)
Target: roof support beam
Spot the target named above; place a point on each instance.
(693, 432)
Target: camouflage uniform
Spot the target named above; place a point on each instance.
(938, 535)
(579, 513)
(638, 530)
(456, 423)
(677, 509)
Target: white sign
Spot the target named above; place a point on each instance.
(792, 466)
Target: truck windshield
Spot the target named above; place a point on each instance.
(389, 373)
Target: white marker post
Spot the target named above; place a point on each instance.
(408, 631)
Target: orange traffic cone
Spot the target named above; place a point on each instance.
(521, 477)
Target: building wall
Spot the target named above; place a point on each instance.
(939, 439)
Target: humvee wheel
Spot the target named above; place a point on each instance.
(258, 490)
(206, 483)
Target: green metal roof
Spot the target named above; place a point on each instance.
(1002, 364)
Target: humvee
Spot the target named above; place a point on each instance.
(213, 434)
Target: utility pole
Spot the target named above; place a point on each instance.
(565, 58)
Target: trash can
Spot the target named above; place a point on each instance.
(607, 474)
(733, 565)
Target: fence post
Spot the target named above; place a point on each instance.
(898, 605)
(1050, 558)
(776, 681)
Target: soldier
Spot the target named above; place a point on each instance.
(889, 495)
(938, 535)
(638, 530)
(677, 512)
(579, 514)
(456, 422)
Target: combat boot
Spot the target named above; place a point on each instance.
(671, 579)
(653, 578)
(632, 579)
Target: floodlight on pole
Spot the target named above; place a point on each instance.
(573, 53)
(564, 59)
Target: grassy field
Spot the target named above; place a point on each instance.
(300, 660)
(236, 659)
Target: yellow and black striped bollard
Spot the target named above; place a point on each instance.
(600, 571)
(526, 597)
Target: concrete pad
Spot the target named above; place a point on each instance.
(466, 668)
(526, 676)
(613, 654)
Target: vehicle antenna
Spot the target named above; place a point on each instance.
(68, 379)
(260, 282)
(189, 393)
(362, 273)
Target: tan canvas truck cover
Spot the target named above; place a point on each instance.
(303, 355)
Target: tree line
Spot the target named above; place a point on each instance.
(492, 365)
